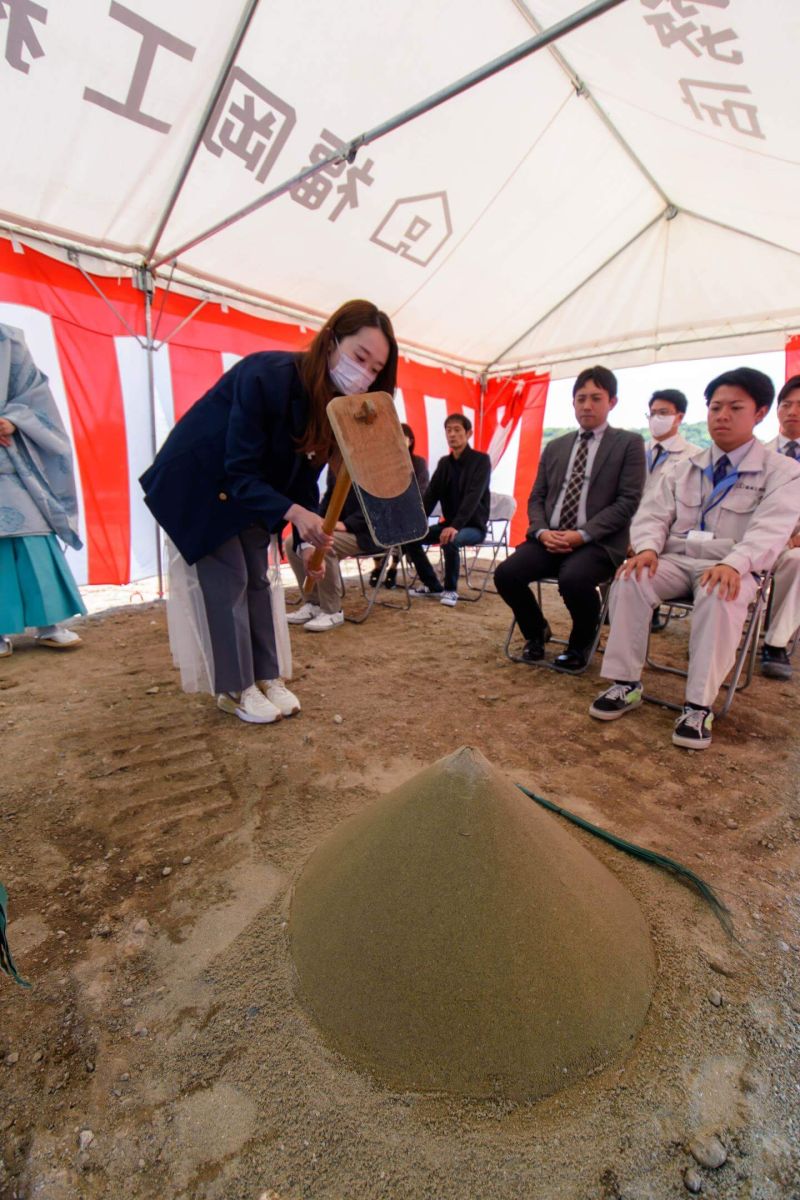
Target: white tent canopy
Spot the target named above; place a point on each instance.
(628, 194)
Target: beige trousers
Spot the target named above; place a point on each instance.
(328, 593)
(715, 631)
(785, 615)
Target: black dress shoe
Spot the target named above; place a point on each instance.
(775, 662)
(571, 660)
(657, 622)
(390, 580)
(533, 650)
(374, 577)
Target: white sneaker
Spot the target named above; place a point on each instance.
(278, 694)
(59, 639)
(324, 622)
(422, 589)
(303, 614)
(250, 706)
(6, 647)
(450, 599)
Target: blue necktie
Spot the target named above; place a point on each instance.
(721, 469)
(656, 453)
(791, 449)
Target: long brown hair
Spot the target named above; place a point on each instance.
(318, 438)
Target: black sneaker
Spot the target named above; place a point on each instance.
(693, 728)
(616, 701)
(374, 576)
(775, 662)
(390, 581)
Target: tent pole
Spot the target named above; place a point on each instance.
(186, 165)
(146, 282)
(595, 9)
(74, 259)
(481, 406)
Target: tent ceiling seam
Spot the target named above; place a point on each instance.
(573, 291)
(524, 366)
(754, 237)
(489, 203)
(582, 89)
(230, 57)
(502, 62)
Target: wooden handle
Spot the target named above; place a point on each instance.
(335, 506)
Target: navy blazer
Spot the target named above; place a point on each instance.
(232, 460)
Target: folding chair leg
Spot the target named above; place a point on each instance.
(372, 599)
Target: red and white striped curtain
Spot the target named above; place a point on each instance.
(97, 369)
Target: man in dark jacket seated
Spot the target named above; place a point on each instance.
(587, 489)
(460, 484)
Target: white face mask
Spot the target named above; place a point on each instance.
(660, 424)
(349, 376)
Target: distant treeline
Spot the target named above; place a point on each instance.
(697, 433)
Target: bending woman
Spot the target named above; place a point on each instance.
(240, 464)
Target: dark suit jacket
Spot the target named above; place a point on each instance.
(232, 459)
(615, 488)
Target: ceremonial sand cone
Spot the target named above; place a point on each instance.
(453, 937)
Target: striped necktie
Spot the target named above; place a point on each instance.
(572, 496)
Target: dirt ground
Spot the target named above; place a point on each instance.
(149, 846)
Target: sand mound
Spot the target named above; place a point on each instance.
(454, 937)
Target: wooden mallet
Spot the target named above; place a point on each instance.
(375, 459)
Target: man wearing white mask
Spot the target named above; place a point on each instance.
(667, 446)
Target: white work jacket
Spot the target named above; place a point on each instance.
(750, 525)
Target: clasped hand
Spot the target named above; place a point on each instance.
(561, 541)
(7, 431)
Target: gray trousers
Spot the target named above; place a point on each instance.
(235, 590)
(785, 616)
(715, 630)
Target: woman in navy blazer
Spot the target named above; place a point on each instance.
(240, 464)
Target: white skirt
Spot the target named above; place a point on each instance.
(189, 638)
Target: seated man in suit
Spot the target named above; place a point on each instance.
(587, 489)
(705, 528)
(460, 484)
(785, 608)
(667, 447)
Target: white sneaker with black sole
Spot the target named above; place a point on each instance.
(693, 728)
(278, 694)
(616, 701)
(251, 706)
(306, 612)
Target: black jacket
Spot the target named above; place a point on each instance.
(461, 486)
(232, 460)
